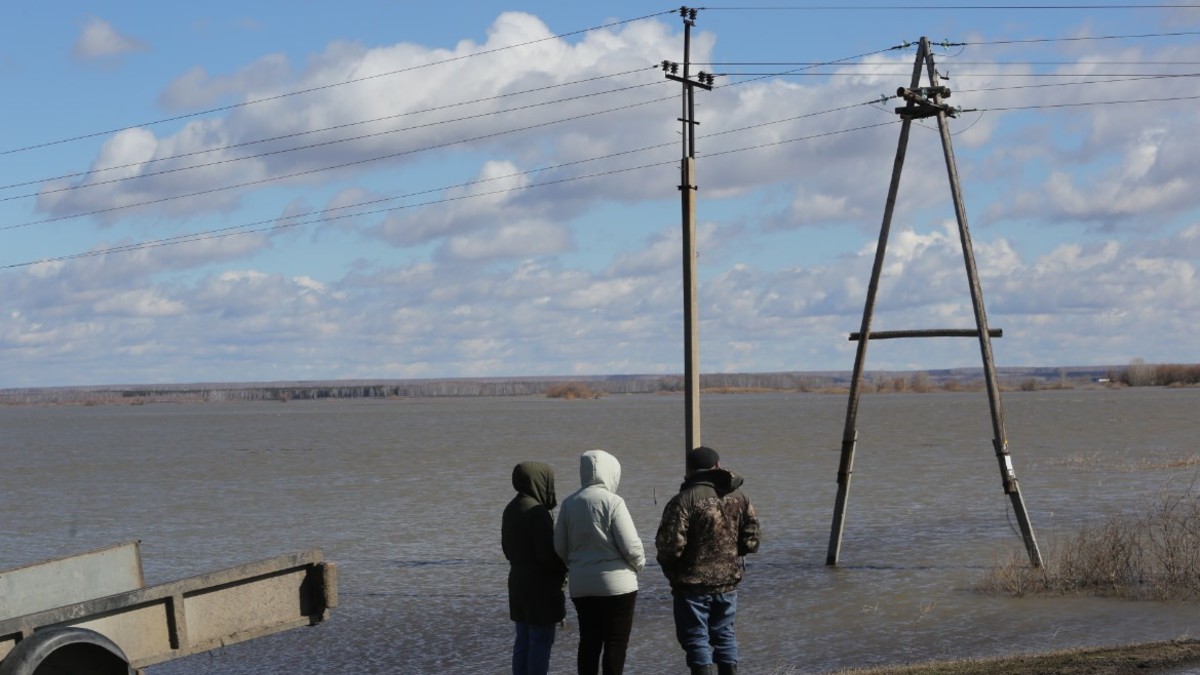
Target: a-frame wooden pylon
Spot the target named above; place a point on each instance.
(924, 103)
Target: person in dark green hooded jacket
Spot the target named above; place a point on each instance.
(536, 574)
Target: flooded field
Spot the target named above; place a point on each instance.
(406, 497)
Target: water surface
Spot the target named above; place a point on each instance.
(406, 497)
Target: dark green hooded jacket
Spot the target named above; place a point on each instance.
(535, 574)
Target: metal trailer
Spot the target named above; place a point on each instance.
(91, 614)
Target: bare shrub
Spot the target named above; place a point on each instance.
(1178, 375)
(920, 383)
(1142, 374)
(1150, 555)
(571, 390)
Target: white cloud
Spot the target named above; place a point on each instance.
(661, 253)
(508, 240)
(1088, 244)
(816, 208)
(378, 121)
(99, 39)
(197, 89)
(138, 303)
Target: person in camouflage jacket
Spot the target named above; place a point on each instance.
(705, 530)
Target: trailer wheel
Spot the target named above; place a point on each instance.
(66, 651)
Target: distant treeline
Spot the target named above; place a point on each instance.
(1142, 374)
(1136, 374)
(588, 386)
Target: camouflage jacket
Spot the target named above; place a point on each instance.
(705, 529)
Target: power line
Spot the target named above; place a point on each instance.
(311, 145)
(345, 165)
(959, 73)
(1080, 39)
(1117, 80)
(274, 223)
(332, 168)
(808, 66)
(811, 137)
(740, 129)
(315, 145)
(227, 232)
(244, 228)
(945, 7)
(815, 65)
(954, 62)
(1088, 103)
(805, 66)
(328, 86)
(297, 174)
(307, 132)
(194, 236)
(255, 227)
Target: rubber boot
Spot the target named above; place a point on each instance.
(706, 669)
(726, 669)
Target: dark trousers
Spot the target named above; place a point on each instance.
(604, 626)
(531, 649)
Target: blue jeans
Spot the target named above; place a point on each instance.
(704, 627)
(531, 649)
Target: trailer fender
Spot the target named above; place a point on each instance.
(77, 651)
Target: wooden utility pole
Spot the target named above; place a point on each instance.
(924, 103)
(687, 190)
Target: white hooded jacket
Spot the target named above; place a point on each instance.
(595, 535)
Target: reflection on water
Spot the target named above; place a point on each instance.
(406, 497)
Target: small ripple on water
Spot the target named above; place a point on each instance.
(407, 500)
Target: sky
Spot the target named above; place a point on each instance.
(371, 189)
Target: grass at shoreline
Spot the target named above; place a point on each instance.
(1135, 658)
(1150, 554)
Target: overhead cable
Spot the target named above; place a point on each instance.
(337, 166)
(275, 224)
(307, 132)
(310, 146)
(330, 85)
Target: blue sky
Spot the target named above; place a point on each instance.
(263, 191)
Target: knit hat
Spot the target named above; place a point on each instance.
(702, 458)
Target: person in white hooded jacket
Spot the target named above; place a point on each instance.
(596, 538)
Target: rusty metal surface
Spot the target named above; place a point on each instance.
(200, 613)
(69, 580)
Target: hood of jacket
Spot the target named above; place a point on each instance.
(535, 480)
(597, 467)
(723, 481)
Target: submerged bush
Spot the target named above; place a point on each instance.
(1152, 555)
(1142, 374)
(571, 390)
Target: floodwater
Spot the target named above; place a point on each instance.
(406, 497)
